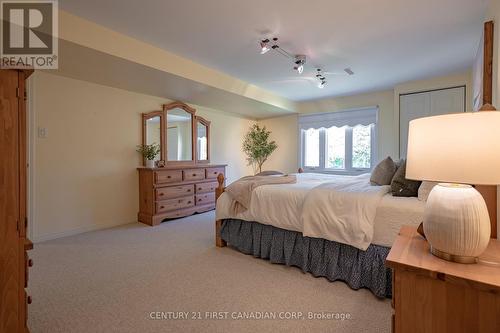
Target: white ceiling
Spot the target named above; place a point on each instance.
(385, 42)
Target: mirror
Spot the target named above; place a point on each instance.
(152, 132)
(179, 135)
(183, 137)
(202, 141)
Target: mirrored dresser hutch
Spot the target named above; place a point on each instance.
(186, 181)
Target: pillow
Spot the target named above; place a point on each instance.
(424, 190)
(402, 187)
(383, 172)
(399, 162)
(269, 173)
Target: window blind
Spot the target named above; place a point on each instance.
(351, 118)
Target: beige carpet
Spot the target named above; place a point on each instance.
(111, 280)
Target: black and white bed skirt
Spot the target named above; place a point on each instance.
(320, 257)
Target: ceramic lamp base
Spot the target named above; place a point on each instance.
(456, 223)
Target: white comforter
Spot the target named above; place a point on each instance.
(343, 210)
(339, 208)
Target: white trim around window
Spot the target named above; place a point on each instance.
(348, 120)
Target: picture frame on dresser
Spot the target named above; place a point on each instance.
(186, 183)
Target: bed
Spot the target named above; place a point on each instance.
(292, 224)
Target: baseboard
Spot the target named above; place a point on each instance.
(72, 232)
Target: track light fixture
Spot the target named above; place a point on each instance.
(300, 61)
(321, 78)
(264, 46)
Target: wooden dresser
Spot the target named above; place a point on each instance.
(173, 192)
(14, 244)
(434, 295)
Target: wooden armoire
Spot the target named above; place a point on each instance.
(14, 260)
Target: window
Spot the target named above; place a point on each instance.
(338, 142)
(311, 147)
(335, 148)
(361, 146)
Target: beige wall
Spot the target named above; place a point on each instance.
(85, 174)
(285, 129)
(383, 99)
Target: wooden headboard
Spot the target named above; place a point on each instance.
(489, 193)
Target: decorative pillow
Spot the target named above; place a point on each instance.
(269, 173)
(402, 187)
(383, 172)
(424, 190)
(399, 162)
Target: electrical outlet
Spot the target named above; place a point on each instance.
(42, 132)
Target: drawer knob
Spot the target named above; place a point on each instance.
(199, 199)
(29, 300)
(161, 207)
(194, 175)
(162, 194)
(189, 202)
(169, 176)
(30, 263)
(189, 190)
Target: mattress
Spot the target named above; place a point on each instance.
(281, 206)
(392, 213)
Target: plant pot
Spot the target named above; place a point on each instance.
(150, 164)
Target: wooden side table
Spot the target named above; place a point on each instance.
(433, 295)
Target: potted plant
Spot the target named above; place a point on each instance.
(257, 147)
(149, 152)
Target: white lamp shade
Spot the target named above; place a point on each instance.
(456, 148)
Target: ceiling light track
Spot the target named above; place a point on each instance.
(299, 60)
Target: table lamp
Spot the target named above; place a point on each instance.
(457, 150)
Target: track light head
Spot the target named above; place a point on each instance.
(264, 46)
(321, 78)
(300, 61)
(299, 68)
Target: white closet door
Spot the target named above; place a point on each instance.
(447, 101)
(433, 103)
(411, 107)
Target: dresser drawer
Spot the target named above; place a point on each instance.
(212, 173)
(173, 204)
(168, 176)
(194, 174)
(206, 187)
(174, 191)
(205, 199)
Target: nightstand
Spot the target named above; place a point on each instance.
(433, 295)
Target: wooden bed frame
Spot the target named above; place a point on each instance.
(488, 192)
